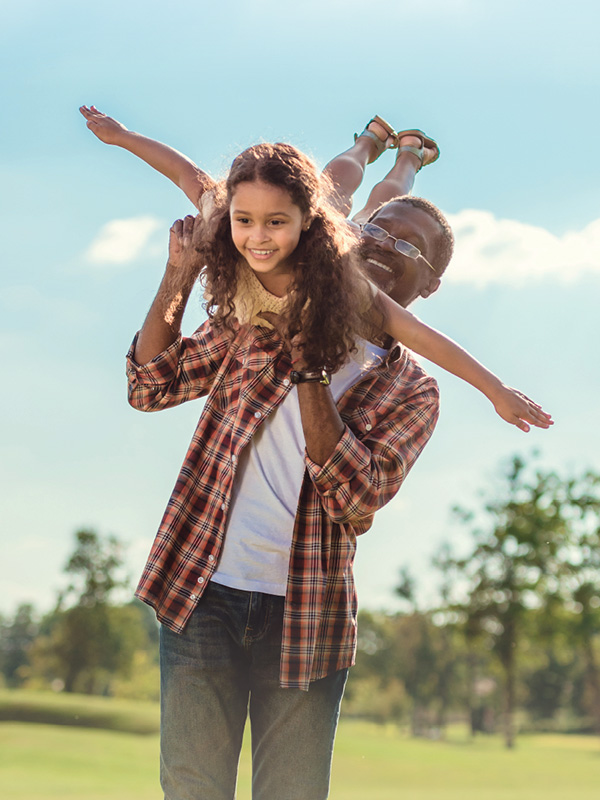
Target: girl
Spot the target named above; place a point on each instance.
(299, 261)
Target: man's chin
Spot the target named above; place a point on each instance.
(384, 281)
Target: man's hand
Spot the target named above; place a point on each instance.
(107, 129)
(163, 323)
(293, 346)
(184, 238)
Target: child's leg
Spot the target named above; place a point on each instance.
(347, 170)
(400, 179)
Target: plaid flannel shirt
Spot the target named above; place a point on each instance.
(389, 416)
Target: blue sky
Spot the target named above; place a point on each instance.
(509, 90)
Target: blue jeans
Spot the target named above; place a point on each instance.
(225, 662)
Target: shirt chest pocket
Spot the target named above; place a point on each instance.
(242, 386)
(360, 421)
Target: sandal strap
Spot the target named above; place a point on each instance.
(382, 145)
(419, 152)
(426, 142)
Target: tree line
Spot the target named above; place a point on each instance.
(88, 642)
(514, 636)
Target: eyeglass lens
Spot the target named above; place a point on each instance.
(375, 231)
(406, 248)
(400, 245)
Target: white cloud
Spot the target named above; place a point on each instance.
(121, 241)
(491, 250)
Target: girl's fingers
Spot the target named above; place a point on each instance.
(540, 420)
(541, 415)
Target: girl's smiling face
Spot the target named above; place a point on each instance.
(266, 227)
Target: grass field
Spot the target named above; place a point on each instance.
(46, 762)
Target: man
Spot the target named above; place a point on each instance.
(223, 647)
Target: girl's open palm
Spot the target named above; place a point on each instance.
(517, 409)
(105, 128)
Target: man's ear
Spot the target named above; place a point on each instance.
(432, 286)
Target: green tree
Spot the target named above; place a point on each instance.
(517, 560)
(87, 639)
(16, 638)
(96, 565)
(579, 589)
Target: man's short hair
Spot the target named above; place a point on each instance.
(443, 247)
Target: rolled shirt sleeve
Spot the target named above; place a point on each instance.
(182, 372)
(363, 474)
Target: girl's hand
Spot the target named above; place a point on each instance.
(517, 409)
(107, 129)
(184, 238)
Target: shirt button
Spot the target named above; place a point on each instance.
(211, 558)
(258, 414)
(200, 579)
(223, 506)
(192, 597)
(286, 381)
(233, 458)
(368, 426)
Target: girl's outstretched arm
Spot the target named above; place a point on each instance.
(513, 406)
(171, 163)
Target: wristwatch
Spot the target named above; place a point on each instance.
(316, 376)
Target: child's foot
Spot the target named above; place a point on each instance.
(381, 137)
(411, 144)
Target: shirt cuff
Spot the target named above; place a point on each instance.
(162, 369)
(349, 457)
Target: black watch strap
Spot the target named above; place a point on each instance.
(315, 376)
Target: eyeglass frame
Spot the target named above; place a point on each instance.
(414, 253)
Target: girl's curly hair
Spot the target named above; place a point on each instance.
(328, 292)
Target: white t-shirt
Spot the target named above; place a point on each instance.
(260, 525)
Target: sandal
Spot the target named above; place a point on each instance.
(419, 152)
(384, 144)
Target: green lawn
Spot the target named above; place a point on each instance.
(44, 762)
(542, 767)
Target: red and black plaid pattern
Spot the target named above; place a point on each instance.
(389, 415)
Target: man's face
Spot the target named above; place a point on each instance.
(402, 278)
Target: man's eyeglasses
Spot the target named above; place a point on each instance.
(406, 248)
